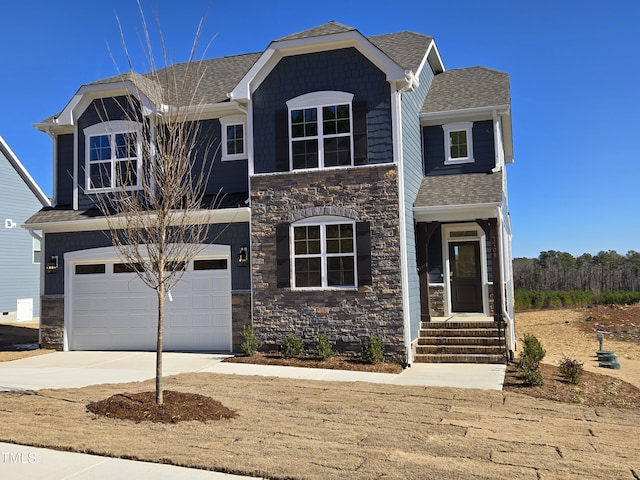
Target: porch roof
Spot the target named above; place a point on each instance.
(460, 189)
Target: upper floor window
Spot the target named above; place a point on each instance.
(233, 131)
(321, 130)
(458, 143)
(113, 156)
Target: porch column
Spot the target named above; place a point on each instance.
(424, 231)
(490, 228)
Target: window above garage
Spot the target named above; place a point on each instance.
(113, 156)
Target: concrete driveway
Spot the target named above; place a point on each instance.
(79, 369)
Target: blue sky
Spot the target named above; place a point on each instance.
(574, 66)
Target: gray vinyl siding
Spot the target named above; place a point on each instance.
(412, 173)
(483, 150)
(64, 173)
(19, 276)
(225, 177)
(235, 234)
(345, 70)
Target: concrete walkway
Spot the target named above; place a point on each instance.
(78, 369)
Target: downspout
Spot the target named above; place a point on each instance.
(505, 311)
(410, 82)
(496, 143)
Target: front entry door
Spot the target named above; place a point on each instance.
(466, 278)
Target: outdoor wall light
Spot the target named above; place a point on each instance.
(52, 264)
(243, 257)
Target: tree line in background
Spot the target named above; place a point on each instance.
(556, 279)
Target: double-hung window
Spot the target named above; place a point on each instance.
(458, 143)
(112, 156)
(321, 130)
(233, 132)
(324, 253)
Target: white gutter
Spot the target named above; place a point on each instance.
(461, 114)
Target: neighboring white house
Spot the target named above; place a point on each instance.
(20, 197)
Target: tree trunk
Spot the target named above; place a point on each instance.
(161, 299)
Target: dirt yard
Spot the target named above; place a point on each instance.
(293, 429)
(572, 333)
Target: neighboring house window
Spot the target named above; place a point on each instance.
(323, 252)
(234, 132)
(113, 156)
(458, 143)
(320, 130)
(37, 253)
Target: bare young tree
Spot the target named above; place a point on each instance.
(156, 210)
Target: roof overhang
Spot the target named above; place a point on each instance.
(284, 48)
(456, 213)
(199, 217)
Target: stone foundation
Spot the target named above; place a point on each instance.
(240, 316)
(52, 322)
(436, 300)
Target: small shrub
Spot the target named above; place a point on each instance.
(324, 350)
(571, 370)
(292, 346)
(373, 350)
(529, 363)
(531, 377)
(250, 342)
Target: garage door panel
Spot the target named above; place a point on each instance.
(117, 311)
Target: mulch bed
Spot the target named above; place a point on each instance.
(176, 407)
(593, 390)
(337, 362)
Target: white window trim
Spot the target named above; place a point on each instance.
(229, 121)
(112, 128)
(322, 222)
(318, 100)
(457, 127)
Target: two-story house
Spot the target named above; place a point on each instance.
(366, 194)
(20, 197)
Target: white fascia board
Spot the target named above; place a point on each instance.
(456, 213)
(215, 216)
(434, 58)
(106, 254)
(285, 48)
(437, 118)
(26, 177)
(87, 93)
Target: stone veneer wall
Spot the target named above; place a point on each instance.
(349, 317)
(436, 300)
(52, 322)
(240, 316)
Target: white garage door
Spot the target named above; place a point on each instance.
(111, 309)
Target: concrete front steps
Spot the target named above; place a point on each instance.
(460, 341)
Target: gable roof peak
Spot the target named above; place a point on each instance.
(330, 28)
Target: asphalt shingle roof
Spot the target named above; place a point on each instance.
(407, 49)
(467, 88)
(328, 28)
(460, 189)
